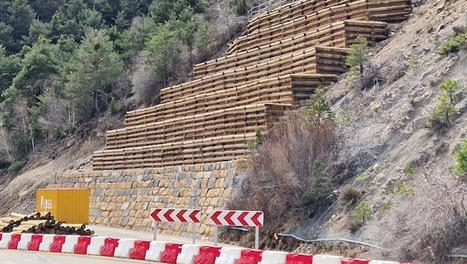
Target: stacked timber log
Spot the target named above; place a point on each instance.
(38, 223)
(379, 10)
(337, 34)
(284, 56)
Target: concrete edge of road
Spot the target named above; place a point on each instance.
(164, 252)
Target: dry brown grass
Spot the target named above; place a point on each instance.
(432, 223)
(281, 166)
(350, 194)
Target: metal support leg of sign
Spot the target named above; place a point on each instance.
(257, 237)
(216, 235)
(193, 232)
(154, 235)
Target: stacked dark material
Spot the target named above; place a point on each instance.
(36, 216)
(50, 226)
(53, 227)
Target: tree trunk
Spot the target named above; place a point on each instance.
(447, 118)
(190, 50)
(6, 143)
(96, 104)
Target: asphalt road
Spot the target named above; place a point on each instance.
(8, 256)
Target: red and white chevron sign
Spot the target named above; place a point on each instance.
(170, 215)
(236, 218)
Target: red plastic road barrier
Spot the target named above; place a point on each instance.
(354, 261)
(81, 246)
(207, 255)
(249, 256)
(56, 245)
(35, 242)
(298, 259)
(170, 254)
(139, 249)
(108, 249)
(13, 244)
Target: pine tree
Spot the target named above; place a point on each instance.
(163, 52)
(91, 71)
(204, 39)
(446, 106)
(444, 109)
(357, 57)
(319, 108)
(451, 87)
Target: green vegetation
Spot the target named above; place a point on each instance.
(388, 205)
(63, 63)
(240, 6)
(460, 157)
(376, 109)
(15, 167)
(342, 117)
(254, 144)
(409, 170)
(413, 62)
(362, 213)
(402, 189)
(320, 182)
(363, 176)
(455, 43)
(445, 108)
(357, 57)
(319, 108)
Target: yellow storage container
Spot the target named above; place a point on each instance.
(68, 205)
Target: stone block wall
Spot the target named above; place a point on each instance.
(124, 198)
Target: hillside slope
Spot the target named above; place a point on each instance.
(390, 150)
(387, 147)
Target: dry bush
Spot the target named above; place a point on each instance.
(282, 165)
(431, 223)
(144, 83)
(350, 194)
(372, 76)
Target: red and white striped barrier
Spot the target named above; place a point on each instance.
(165, 252)
(273, 257)
(189, 252)
(155, 250)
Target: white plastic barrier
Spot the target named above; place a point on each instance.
(155, 250)
(273, 257)
(326, 259)
(188, 254)
(69, 245)
(46, 241)
(383, 262)
(6, 237)
(24, 241)
(228, 255)
(94, 247)
(124, 247)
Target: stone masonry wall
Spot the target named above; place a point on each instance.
(124, 198)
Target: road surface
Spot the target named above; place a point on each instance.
(8, 256)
